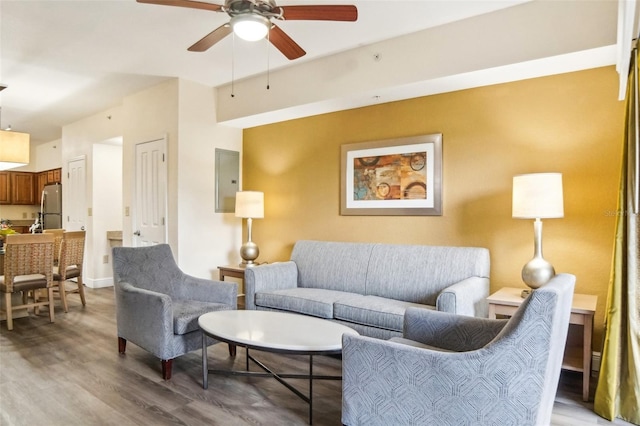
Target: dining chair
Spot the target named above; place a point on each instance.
(57, 235)
(28, 266)
(70, 266)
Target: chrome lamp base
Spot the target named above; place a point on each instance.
(249, 251)
(537, 272)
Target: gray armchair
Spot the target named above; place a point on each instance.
(449, 369)
(158, 305)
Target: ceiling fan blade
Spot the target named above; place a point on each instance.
(186, 3)
(285, 44)
(320, 13)
(210, 39)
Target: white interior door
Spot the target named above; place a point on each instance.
(76, 195)
(150, 207)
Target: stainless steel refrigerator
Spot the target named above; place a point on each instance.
(51, 206)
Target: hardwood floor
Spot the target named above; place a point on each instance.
(70, 373)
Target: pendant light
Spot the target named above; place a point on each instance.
(14, 147)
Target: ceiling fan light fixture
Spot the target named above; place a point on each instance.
(250, 27)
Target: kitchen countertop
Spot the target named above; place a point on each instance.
(114, 235)
(22, 222)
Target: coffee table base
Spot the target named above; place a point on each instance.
(268, 373)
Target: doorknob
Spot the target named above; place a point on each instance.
(137, 233)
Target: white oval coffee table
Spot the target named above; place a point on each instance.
(276, 332)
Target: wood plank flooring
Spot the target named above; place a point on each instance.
(70, 373)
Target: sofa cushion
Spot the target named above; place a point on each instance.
(419, 273)
(310, 301)
(187, 312)
(373, 311)
(332, 265)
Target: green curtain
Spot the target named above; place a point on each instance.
(618, 391)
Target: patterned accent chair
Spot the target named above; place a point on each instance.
(158, 305)
(454, 370)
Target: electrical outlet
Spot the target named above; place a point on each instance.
(33, 215)
(90, 212)
(24, 215)
(105, 258)
(126, 211)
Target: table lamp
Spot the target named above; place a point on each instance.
(537, 196)
(249, 205)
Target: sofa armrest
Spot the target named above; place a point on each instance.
(145, 318)
(449, 331)
(274, 276)
(467, 297)
(204, 290)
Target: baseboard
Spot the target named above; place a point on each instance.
(98, 283)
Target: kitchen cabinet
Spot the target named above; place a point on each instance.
(45, 178)
(23, 188)
(5, 188)
(41, 181)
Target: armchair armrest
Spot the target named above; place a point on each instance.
(274, 276)
(145, 317)
(449, 331)
(467, 297)
(388, 383)
(205, 290)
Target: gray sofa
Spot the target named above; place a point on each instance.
(368, 286)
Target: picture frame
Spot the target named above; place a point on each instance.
(392, 177)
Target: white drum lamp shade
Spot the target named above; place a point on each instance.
(538, 196)
(250, 204)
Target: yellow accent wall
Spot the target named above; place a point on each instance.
(570, 123)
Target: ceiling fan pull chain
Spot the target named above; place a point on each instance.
(233, 61)
(267, 44)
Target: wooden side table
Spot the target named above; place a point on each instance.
(234, 271)
(231, 271)
(507, 300)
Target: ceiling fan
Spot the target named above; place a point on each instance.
(251, 20)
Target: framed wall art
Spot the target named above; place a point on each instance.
(394, 177)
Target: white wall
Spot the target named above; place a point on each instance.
(150, 115)
(206, 239)
(48, 155)
(78, 140)
(107, 208)
(184, 111)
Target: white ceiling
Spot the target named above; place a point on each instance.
(65, 60)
